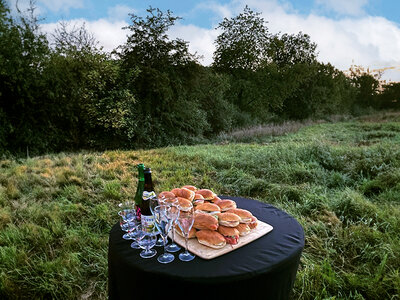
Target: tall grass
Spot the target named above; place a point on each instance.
(340, 180)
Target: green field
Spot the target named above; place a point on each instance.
(340, 180)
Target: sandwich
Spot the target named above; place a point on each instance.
(166, 195)
(198, 199)
(254, 222)
(208, 208)
(245, 215)
(211, 238)
(206, 193)
(184, 193)
(216, 199)
(230, 234)
(243, 229)
(190, 187)
(184, 204)
(228, 219)
(226, 204)
(192, 232)
(205, 221)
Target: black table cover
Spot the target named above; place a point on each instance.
(266, 267)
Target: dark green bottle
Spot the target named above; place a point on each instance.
(139, 191)
(147, 218)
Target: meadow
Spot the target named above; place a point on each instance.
(340, 180)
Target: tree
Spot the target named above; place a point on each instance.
(149, 45)
(367, 86)
(165, 111)
(23, 53)
(389, 97)
(291, 49)
(90, 88)
(243, 42)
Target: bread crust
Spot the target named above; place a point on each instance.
(166, 195)
(184, 203)
(226, 204)
(228, 231)
(205, 221)
(254, 222)
(245, 215)
(192, 232)
(206, 193)
(243, 229)
(228, 219)
(208, 207)
(211, 238)
(190, 187)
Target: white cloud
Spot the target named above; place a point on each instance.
(200, 40)
(108, 33)
(365, 40)
(372, 42)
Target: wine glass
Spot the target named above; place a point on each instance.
(146, 240)
(163, 221)
(127, 206)
(127, 221)
(134, 234)
(174, 213)
(155, 201)
(185, 222)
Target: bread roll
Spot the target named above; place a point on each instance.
(210, 238)
(192, 232)
(205, 221)
(226, 204)
(206, 193)
(209, 208)
(245, 215)
(228, 219)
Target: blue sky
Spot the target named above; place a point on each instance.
(361, 32)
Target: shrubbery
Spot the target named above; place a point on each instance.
(152, 91)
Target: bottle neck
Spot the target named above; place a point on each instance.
(148, 182)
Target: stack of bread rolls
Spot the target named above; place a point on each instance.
(217, 221)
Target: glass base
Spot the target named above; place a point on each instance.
(186, 256)
(135, 245)
(166, 258)
(173, 248)
(148, 254)
(160, 242)
(127, 236)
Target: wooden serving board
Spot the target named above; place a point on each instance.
(208, 253)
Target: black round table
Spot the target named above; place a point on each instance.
(266, 267)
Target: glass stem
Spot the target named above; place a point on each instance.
(172, 236)
(164, 238)
(186, 243)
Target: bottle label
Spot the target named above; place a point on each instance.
(147, 195)
(147, 222)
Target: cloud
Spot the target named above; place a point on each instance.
(201, 40)
(108, 33)
(369, 41)
(365, 40)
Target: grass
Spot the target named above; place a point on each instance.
(340, 180)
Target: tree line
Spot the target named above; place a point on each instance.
(152, 92)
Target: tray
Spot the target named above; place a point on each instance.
(209, 253)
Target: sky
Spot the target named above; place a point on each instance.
(347, 32)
